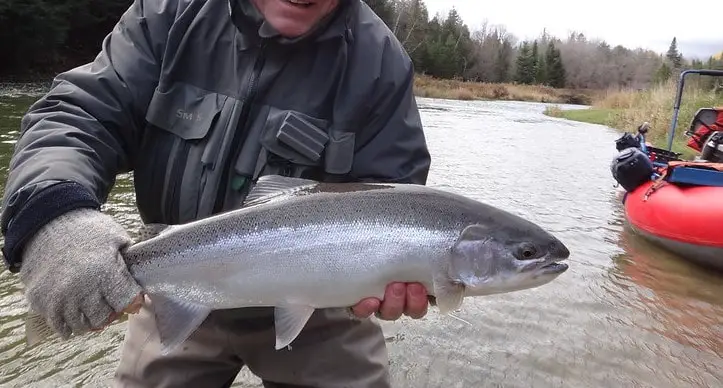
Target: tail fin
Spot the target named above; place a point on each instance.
(37, 329)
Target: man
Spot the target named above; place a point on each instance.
(199, 98)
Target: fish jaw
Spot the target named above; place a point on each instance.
(511, 281)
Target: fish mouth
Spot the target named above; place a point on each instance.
(551, 263)
(553, 268)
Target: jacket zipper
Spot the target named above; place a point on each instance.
(241, 129)
(173, 195)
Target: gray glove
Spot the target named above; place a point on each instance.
(74, 274)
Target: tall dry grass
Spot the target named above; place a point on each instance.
(655, 106)
(425, 86)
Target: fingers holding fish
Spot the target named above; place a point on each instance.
(402, 299)
(399, 299)
(133, 308)
(135, 305)
(366, 307)
(417, 302)
(392, 306)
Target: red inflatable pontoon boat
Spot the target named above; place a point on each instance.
(684, 220)
(675, 203)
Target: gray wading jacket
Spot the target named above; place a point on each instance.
(199, 97)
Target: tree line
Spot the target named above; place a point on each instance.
(444, 46)
(46, 36)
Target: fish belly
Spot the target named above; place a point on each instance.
(317, 265)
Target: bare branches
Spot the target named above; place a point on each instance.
(444, 46)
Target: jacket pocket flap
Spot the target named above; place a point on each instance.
(295, 136)
(339, 156)
(185, 110)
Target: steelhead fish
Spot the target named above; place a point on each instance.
(298, 245)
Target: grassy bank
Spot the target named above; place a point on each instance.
(594, 116)
(425, 86)
(625, 110)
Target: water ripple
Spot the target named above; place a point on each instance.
(626, 314)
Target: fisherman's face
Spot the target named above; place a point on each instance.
(292, 18)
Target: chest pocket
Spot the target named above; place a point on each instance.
(298, 144)
(181, 145)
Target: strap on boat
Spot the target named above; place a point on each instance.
(691, 173)
(706, 165)
(657, 184)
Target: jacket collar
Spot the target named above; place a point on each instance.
(254, 28)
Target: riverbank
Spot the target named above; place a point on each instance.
(425, 86)
(625, 110)
(600, 116)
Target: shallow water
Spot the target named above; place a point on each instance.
(626, 314)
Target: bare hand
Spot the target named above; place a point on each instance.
(409, 299)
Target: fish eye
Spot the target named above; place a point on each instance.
(526, 251)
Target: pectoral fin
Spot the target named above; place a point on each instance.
(289, 321)
(448, 295)
(448, 292)
(448, 289)
(176, 320)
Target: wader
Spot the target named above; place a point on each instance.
(332, 351)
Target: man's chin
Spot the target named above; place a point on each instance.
(291, 29)
(291, 33)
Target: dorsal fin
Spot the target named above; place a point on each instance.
(269, 187)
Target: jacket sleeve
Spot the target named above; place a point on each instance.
(393, 147)
(82, 133)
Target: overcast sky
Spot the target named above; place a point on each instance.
(631, 23)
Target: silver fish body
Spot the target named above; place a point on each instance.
(322, 249)
(300, 245)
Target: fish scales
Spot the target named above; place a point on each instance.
(298, 245)
(314, 243)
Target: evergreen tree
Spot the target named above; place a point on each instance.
(525, 66)
(534, 61)
(55, 35)
(40, 33)
(411, 27)
(458, 42)
(556, 70)
(448, 47)
(384, 9)
(673, 56)
(541, 74)
(663, 73)
(503, 62)
(715, 63)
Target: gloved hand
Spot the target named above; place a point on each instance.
(74, 274)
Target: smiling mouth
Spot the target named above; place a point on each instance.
(299, 3)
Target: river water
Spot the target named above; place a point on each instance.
(626, 314)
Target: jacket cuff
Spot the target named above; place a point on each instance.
(38, 211)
